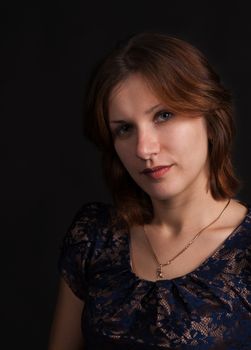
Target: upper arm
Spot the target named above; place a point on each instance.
(66, 327)
(74, 261)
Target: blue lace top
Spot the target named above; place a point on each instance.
(206, 309)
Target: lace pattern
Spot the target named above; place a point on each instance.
(209, 308)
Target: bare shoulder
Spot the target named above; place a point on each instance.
(236, 213)
(230, 220)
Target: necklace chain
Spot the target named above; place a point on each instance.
(159, 270)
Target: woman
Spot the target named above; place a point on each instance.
(168, 265)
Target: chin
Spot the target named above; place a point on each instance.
(163, 195)
(167, 192)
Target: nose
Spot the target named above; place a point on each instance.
(147, 144)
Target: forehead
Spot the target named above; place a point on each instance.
(132, 95)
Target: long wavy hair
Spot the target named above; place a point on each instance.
(181, 76)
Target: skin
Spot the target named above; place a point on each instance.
(161, 138)
(147, 134)
(66, 331)
(181, 200)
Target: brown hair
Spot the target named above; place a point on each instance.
(181, 76)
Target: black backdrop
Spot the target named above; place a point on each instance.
(48, 169)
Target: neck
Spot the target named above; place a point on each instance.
(176, 216)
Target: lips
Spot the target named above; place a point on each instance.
(156, 172)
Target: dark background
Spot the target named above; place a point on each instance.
(48, 169)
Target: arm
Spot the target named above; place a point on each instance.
(66, 327)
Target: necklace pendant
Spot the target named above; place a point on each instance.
(159, 272)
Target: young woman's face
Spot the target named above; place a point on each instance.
(148, 135)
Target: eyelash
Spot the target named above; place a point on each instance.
(118, 130)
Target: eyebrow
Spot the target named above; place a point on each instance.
(150, 110)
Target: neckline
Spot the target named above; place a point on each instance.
(220, 248)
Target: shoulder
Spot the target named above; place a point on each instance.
(91, 220)
(241, 234)
(238, 215)
(92, 212)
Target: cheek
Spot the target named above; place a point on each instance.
(188, 142)
(199, 149)
(124, 154)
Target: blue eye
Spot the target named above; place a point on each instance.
(163, 116)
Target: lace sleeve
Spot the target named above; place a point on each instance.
(77, 248)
